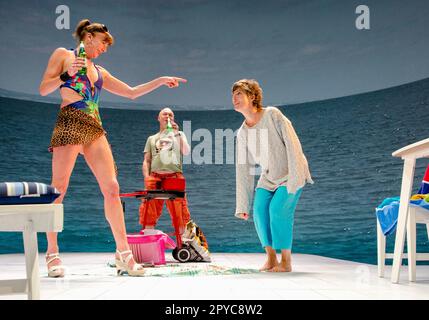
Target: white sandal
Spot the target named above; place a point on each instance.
(54, 271)
(122, 266)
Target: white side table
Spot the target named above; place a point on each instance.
(29, 219)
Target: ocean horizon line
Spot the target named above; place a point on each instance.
(21, 96)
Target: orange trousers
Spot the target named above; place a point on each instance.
(150, 210)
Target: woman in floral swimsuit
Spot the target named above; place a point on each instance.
(79, 130)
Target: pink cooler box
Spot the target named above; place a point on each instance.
(149, 246)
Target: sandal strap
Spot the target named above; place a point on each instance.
(52, 256)
(121, 253)
(127, 258)
(50, 260)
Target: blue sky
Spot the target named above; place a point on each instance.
(298, 50)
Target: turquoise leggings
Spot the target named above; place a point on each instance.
(273, 214)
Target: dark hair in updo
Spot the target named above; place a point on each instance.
(85, 26)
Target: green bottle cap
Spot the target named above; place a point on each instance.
(169, 126)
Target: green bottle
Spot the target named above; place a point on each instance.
(169, 126)
(82, 54)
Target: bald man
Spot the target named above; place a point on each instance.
(163, 155)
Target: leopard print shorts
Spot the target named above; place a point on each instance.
(74, 127)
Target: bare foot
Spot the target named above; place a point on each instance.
(282, 267)
(268, 265)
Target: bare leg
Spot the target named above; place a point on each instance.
(100, 159)
(271, 259)
(63, 161)
(285, 264)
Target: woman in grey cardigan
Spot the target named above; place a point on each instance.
(267, 139)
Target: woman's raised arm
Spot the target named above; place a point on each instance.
(120, 88)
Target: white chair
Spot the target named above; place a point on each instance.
(29, 219)
(415, 215)
(408, 216)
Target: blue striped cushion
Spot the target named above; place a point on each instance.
(27, 193)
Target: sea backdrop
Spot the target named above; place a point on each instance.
(348, 142)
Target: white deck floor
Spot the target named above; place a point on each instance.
(313, 277)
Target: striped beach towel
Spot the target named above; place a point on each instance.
(387, 211)
(27, 193)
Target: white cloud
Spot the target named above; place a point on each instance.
(311, 49)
